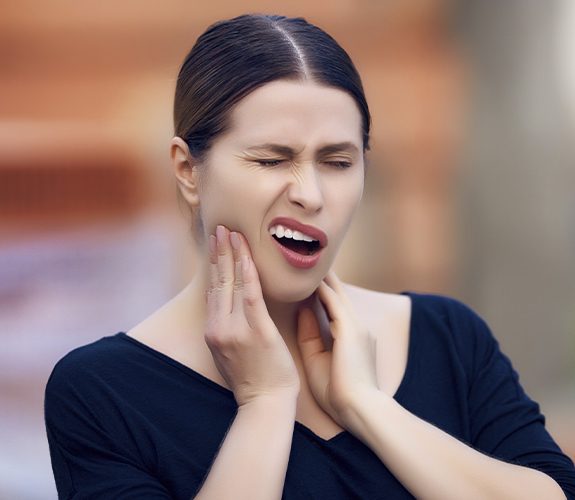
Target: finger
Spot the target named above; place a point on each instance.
(225, 285)
(211, 292)
(337, 285)
(316, 359)
(254, 307)
(332, 280)
(332, 304)
(308, 334)
(237, 242)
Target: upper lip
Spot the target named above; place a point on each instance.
(314, 232)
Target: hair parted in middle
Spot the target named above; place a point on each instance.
(234, 57)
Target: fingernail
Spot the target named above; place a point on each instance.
(221, 232)
(235, 240)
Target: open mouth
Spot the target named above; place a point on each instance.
(299, 246)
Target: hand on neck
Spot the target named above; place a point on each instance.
(283, 314)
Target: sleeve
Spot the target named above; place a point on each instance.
(505, 423)
(86, 460)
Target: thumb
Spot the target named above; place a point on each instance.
(308, 334)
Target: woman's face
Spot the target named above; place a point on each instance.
(293, 149)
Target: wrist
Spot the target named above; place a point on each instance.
(284, 400)
(362, 404)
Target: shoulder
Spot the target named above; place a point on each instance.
(448, 321)
(367, 302)
(94, 385)
(435, 314)
(79, 385)
(93, 354)
(462, 320)
(444, 307)
(85, 365)
(388, 315)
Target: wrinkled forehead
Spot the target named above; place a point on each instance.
(300, 114)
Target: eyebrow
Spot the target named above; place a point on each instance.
(324, 150)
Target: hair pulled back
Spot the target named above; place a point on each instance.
(234, 57)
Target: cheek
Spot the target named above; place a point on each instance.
(233, 202)
(346, 198)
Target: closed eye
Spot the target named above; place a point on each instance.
(339, 164)
(268, 163)
(334, 163)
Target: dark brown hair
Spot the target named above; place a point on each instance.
(234, 57)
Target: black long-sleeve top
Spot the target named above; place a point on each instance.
(126, 421)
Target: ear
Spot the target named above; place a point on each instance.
(185, 170)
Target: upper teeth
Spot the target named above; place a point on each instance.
(283, 232)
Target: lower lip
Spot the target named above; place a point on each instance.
(297, 259)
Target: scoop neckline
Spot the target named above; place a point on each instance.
(407, 375)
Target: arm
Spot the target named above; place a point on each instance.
(253, 358)
(432, 464)
(88, 461)
(252, 461)
(502, 421)
(94, 455)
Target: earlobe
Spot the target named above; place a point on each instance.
(185, 170)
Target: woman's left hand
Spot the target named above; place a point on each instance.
(338, 378)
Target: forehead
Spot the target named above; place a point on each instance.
(299, 113)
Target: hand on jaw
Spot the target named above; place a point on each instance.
(251, 354)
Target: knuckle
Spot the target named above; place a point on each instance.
(223, 343)
(266, 341)
(214, 339)
(214, 326)
(224, 281)
(250, 300)
(241, 340)
(212, 330)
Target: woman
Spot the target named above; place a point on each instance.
(267, 376)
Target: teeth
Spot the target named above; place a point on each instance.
(297, 236)
(283, 232)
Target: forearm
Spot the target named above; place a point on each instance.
(431, 464)
(253, 458)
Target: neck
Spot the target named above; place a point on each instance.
(284, 316)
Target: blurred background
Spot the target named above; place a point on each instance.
(470, 189)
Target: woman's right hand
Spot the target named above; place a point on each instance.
(247, 348)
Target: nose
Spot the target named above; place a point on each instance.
(305, 189)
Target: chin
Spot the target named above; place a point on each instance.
(289, 293)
